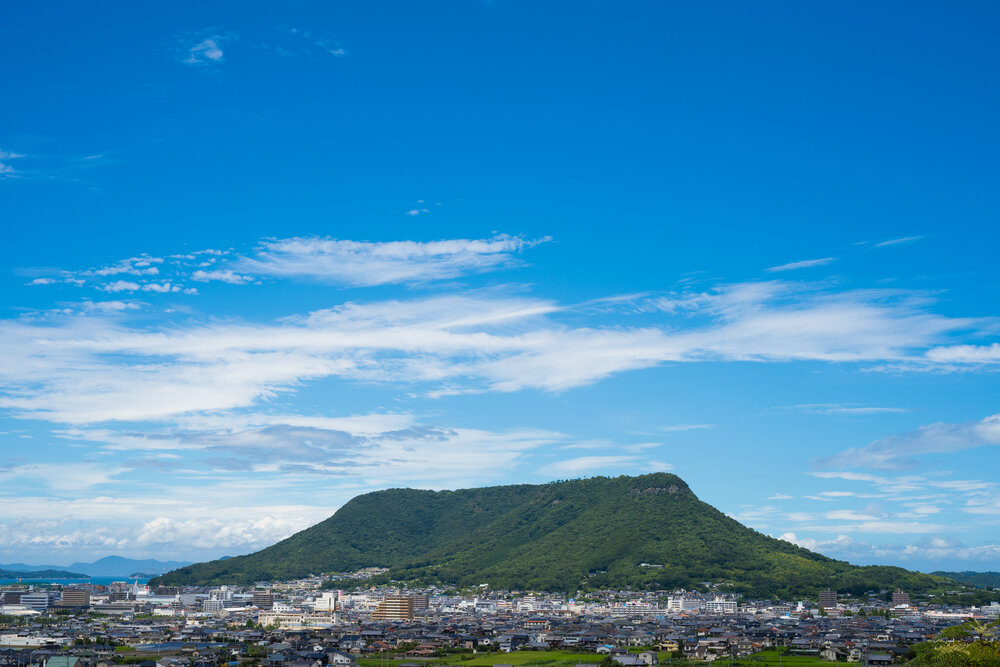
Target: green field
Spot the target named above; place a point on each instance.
(570, 659)
(769, 658)
(533, 658)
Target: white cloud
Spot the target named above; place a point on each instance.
(143, 265)
(898, 241)
(685, 427)
(904, 484)
(210, 493)
(919, 510)
(110, 306)
(850, 515)
(207, 51)
(829, 496)
(929, 550)
(216, 533)
(898, 451)
(845, 409)
(363, 263)
(965, 354)
(291, 444)
(163, 288)
(839, 542)
(62, 476)
(326, 44)
(813, 545)
(892, 527)
(983, 505)
(96, 528)
(803, 264)
(584, 464)
(221, 275)
(93, 369)
(7, 171)
(120, 286)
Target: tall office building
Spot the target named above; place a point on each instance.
(263, 600)
(394, 608)
(828, 599)
(120, 591)
(11, 597)
(75, 597)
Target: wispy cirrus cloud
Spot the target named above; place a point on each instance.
(364, 263)
(898, 241)
(400, 448)
(802, 264)
(830, 496)
(585, 464)
(848, 409)
(314, 259)
(78, 369)
(899, 451)
(325, 44)
(47, 167)
(672, 428)
(6, 170)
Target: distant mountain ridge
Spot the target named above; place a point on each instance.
(977, 579)
(640, 532)
(40, 574)
(109, 566)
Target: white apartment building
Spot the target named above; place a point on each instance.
(325, 602)
(685, 604)
(720, 605)
(213, 606)
(36, 601)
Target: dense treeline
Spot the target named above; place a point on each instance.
(972, 644)
(629, 532)
(977, 579)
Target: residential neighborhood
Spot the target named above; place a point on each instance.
(342, 621)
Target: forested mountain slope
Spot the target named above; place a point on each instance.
(587, 533)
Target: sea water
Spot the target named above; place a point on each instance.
(103, 581)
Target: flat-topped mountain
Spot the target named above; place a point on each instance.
(645, 532)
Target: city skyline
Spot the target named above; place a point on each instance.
(263, 259)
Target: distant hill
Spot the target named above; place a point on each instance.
(588, 533)
(977, 579)
(40, 574)
(109, 566)
(114, 566)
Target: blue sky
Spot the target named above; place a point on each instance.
(262, 257)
